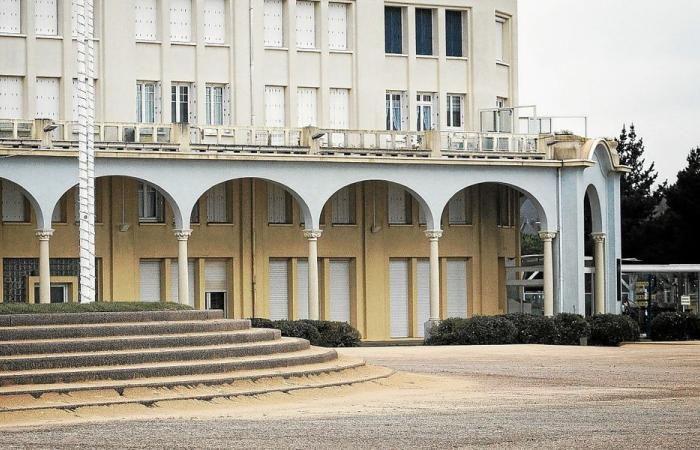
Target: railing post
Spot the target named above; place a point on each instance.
(181, 136)
(433, 142)
(307, 139)
(38, 132)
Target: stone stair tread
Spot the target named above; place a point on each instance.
(115, 324)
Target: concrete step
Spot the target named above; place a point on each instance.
(96, 344)
(17, 333)
(311, 355)
(10, 320)
(146, 356)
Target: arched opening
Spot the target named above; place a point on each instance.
(592, 226)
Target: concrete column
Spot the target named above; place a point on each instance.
(599, 259)
(314, 307)
(434, 236)
(44, 266)
(183, 288)
(547, 237)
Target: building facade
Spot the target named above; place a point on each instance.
(362, 161)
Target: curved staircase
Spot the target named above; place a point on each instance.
(99, 359)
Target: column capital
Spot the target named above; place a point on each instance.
(182, 235)
(44, 235)
(433, 235)
(598, 237)
(312, 235)
(548, 236)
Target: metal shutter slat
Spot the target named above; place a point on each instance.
(273, 35)
(46, 17)
(215, 276)
(306, 107)
(305, 24)
(398, 287)
(11, 97)
(10, 20)
(337, 26)
(214, 21)
(47, 98)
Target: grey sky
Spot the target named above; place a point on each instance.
(617, 61)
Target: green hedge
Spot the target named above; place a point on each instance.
(533, 329)
(612, 329)
(570, 329)
(321, 333)
(675, 326)
(63, 308)
(479, 330)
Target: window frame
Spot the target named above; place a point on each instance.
(463, 25)
(425, 37)
(149, 196)
(449, 122)
(394, 44)
(142, 101)
(391, 109)
(177, 102)
(211, 104)
(421, 105)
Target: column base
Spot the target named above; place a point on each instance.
(429, 326)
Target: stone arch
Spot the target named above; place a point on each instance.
(594, 201)
(42, 221)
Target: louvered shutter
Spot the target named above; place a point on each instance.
(13, 209)
(339, 109)
(340, 290)
(175, 279)
(214, 21)
(342, 207)
(10, 16)
(217, 207)
(423, 295)
(457, 209)
(306, 24)
(398, 213)
(398, 287)
(11, 98)
(456, 288)
(149, 272)
(146, 20)
(278, 289)
(276, 204)
(46, 17)
(302, 289)
(274, 106)
(306, 107)
(273, 34)
(47, 98)
(181, 20)
(338, 26)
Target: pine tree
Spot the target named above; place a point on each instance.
(683, 215)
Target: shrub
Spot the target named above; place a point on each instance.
(336, 334)
(257, 322)
(445, 333)
(570, 328)
(479, 330)
(67, 308)
(612, 329)
(298, 329)
(533, 329)
(675, 326)
(693, 326)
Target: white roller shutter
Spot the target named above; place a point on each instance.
(278, 289)
(306, 107)
(456, 288)
(457, 209)
(398, 213)
(150, 281)
(214, 21)
(216, 276)
(339, 109)
(273, 33)
(302, 289)
(340, 290)
(146, 24)
(46, 17)
(217, 207)
(181, 20)
(274, 106)
(47, 98)
(11, 98)
(13, 209)
(423, 295)
(306, 24)
(10, 17)
(398, 287)
(338, 26)
(175, 279)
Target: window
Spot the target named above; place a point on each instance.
(424, 31)
(393, 30)
(501, 39)
(10, 17)
(507, 199)
(215, 105)
(151, 204)
(454, 34)
(278, 289)
(146, 20)
(400, 205)
(306, 107)
(457, 294)
(339, 104)
(181, 20)
(273, 35)
(274, 106)
(279, 205)
(343, 207)
(338, 26)
(11, 97)
(15, 206)
(180, 99)
(46, 17)
(425, 111)
(306, 24)
(146, 101)
(459, 211)
(218, 204)
(455, 111)
(214, 21)
(340, 291)
(394, 110)
(149, 275)
(47, 98)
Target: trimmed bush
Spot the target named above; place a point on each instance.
(570, 329)
(675, 326)
(445, 333)
(479, 330)
(694, 326)
(68, 308)
(298, 329)
(612, 329)
(336, 334)
(257, 322)
(533, 329)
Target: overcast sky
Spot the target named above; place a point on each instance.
(617, 61)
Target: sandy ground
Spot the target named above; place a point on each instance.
(636, 396)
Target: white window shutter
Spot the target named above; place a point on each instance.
(47, 98)
(341, 205)
(12, 203)
(46, 17)
(306, 24)
(302, 289)
(306, 107)
(338, 26)
(399, 297)
(273, 33)
(340, 290)
(149, 274)
(457, 288)
(146, 20)
(422, 295)
(217, 208)
(397, 205)
(216, 276)
(227, 105)
(214, 21)
(11, 98)
(276, 204)
(10, 16)
(339, 109)
(278, 289)
(274, 106)
(181, 20)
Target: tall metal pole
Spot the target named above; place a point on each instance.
(86, 146)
